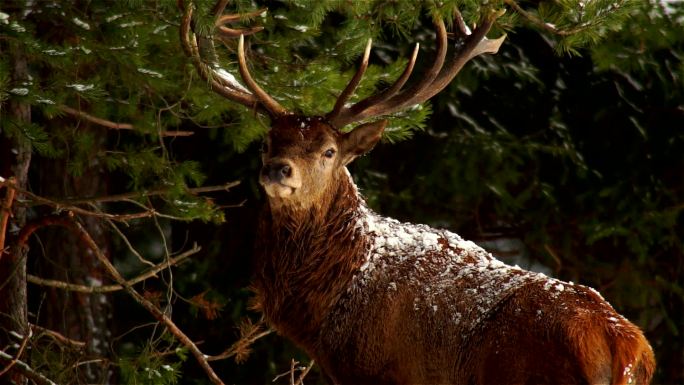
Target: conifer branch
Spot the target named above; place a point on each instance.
(71, 205)
(114, 125)
(112, 288)
(540, 23)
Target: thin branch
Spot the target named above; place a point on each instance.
(96, 120)
(6, 213)
(114, 125)
(540, 23)
(26, 370)
(59, 337)
(149, 306)
(61, 206)
(111, 288)
(293, 369)
(130, 195)
(71, 205)
(300, 380)
(239, 346)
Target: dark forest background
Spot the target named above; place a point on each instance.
(563, 153)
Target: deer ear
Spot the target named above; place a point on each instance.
(361, 140)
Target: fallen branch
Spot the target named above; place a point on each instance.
(111, 288)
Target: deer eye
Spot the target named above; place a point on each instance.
(329, 153)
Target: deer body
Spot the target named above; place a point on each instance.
(376, 301)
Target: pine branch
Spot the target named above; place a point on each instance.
(114, 125)
(112, 288)
(148, 213)
(131, 195)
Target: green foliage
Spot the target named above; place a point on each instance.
(145, 366)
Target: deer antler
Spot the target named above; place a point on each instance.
(253, 96)
(435, 79)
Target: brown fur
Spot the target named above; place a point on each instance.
(395, 323)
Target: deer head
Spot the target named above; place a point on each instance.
(305, 156)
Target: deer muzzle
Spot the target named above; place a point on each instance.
(280, 178)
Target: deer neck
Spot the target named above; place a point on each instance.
(306, 259)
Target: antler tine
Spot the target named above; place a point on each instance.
(437, 77)
(367, 107)
(191, 49)
(475, 44)
(353, 83)
(266, 100)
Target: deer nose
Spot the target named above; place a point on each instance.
(277, 172)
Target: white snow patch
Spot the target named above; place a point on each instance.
(81, 87)
(81, 23)
(152, 73)
(19, 91)
(229, 78)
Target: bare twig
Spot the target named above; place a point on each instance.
(300, 379)
(149, 306)
(126, 196)
(72, 205)
(114, 125)
(14, 361)
(114, 273)
(58, 337)
(293, 368)
(26, 370)
(6, 213)
(96, 120)
(111, 288)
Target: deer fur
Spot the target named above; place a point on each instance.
(377, 301)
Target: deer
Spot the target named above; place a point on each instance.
(376, 301)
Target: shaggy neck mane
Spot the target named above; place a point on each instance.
(306, 259)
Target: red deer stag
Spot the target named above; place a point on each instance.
(374, 300)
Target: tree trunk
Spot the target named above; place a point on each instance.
(15, 160)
